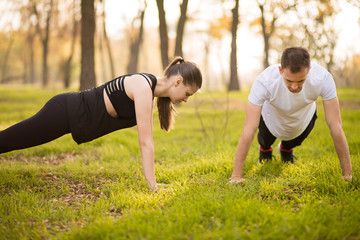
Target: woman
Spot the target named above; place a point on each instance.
(121, 103)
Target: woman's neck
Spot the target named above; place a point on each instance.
(162, 86)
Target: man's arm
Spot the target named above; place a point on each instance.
(333, 120)
(251, 125)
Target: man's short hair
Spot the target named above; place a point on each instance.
(295, 58)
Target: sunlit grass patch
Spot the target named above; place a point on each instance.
(96, 190)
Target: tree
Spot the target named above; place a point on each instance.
(271, 11)
(107, 41)
(6, 61)
(266, 33)
(87, 75)
(180, 29)
(217, 30)
(29, 30)
(29, 71)
(44, 33)
(355, 3)
(135, 43)
(320, 34)
(351, 72)
(234, 81)
(66, 68)
(164, 40)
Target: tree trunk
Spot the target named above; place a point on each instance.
(87, 76)
(265, 36)
(44, 36)
(45, 42)
(67, 67)
(25, 67)
(6, 60)
(180, 29)
(135, 46)
(267, 33)
(29, 58)
(32, 60)
(102, 58)
(164, 41)
(108, 45)
(234, 81)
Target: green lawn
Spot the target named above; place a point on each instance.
(96, 190)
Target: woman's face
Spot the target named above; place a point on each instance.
(181, 92)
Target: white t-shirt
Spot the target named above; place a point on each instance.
(287, 114)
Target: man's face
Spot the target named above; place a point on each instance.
(294, 81)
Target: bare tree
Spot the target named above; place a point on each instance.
(6, 61)
(135, 43)
(66, 69)
(107, 42)
(180, 29)
(102, 56)
(320, 34)
(87, 76)
(355, 3)
(271, 11)
(44, 33)
(234, 80)
(218, 28)
(267, 31)
(164, 40)
(29, 72)
(29, 32)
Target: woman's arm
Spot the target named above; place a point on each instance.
(139, 90)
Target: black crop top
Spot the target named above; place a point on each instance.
(123, 105)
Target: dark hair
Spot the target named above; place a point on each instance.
(295, 58)
(191, 75)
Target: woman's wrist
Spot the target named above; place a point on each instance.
(153, 186)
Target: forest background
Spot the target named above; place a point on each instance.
(81, 44)
(97, 190)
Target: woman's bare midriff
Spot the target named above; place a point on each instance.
(109, 107)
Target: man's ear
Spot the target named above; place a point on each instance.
(280, 70)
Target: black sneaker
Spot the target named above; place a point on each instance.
(265, 155)
(286, 155)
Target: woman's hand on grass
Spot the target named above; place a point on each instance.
(237, 180)
(347, 178)
(162, 186)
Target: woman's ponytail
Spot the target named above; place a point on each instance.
(166, 113)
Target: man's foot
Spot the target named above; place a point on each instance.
(265, 154)
(286, 155)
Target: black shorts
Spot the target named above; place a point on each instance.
(266, 139)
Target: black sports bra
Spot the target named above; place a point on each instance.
(123, 105)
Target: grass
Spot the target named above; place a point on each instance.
(96, 190)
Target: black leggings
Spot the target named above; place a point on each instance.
(266, 139)
(49, 123)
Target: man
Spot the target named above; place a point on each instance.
(282, 105)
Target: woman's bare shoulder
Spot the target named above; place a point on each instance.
(137, 84)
